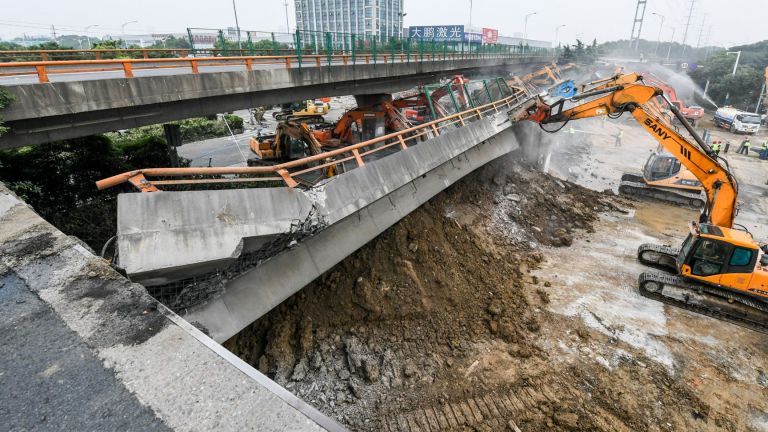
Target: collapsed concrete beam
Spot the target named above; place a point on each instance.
(167, 236)
(254, 293)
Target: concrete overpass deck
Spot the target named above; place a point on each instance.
(69, 109)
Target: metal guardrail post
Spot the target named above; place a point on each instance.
(353, 37)
(392, 45)
(421, 50)
(329, 47)
(298, 47)
(488, 91)
(223, 43)
(408, 48)
(445, 48)
(432, 56)
(373, 49)
(469, 96)
(250, 43)
(274, 44)
(191, 43)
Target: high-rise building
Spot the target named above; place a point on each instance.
(383, 18)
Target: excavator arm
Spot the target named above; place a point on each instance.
(720, 186)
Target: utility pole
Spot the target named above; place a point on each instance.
(634, 38)
(53, 31)
(735, 65)
(701, 31)
(687, 24)
(760, 99)
(287, 26)
(470, 15)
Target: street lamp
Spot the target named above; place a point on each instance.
(87, 36)
(672, 39)
(122, 27)
(401, 15)
(525, 29)
(735, 65)
(287, 26)
(557, 30)
(470, 15)
(237, 27)
(658, 39)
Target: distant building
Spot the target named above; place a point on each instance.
(383, 18)
(509, 40)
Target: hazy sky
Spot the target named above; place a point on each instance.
(742, 21)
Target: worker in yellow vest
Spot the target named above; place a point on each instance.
(716, 147)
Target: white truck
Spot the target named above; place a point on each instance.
(737, 120)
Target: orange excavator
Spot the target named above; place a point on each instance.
(719, 270)
(548, 75)
(663, 177)
(364, 123)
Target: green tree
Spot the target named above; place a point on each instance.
(58, 180)
(5, 100)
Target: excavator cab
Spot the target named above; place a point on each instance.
(718, 255)
(661, 166)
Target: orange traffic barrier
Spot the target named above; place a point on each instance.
(43, 69)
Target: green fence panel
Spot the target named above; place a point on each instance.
(298, 47)
(373, 49)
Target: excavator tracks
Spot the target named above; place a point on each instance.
(658, 256)
(634, 185)
(708, 300)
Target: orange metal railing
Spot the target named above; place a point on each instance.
(45, 68)
(288, 172)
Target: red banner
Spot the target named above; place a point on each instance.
(490, 36)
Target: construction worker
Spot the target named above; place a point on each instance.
(764, 151)
(617, 143)
(744, 149)
(716, 147)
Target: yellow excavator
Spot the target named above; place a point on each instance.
(719, 270)
(292, 140)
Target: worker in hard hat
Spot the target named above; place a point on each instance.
(619, 135)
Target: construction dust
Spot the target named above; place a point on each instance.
(439, 324)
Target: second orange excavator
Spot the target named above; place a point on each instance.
(663, 177)
(720, 270)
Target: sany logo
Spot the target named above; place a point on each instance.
(600, 111)
(656, 128)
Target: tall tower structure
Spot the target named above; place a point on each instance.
(637, 24)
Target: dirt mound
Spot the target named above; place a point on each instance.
(438, 325)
